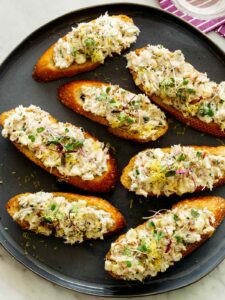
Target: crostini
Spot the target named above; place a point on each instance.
(86, 47)
(179, 88)
(126, 114)
(165, 238)
(175, 170)
(72, 217)
(62, 149)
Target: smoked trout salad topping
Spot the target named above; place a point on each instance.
(94, 41)
(178, 84)
(157, 244)
(123, 109)
(181, 170)
(57, 145)
(73, 221)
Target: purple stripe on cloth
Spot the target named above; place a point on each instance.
(221, 30)
(203, 25)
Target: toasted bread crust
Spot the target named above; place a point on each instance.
(210, 128)
(126, 181)
(102, 183)
(215, 204)
(45, 69)
(70, 95)
(13, 206)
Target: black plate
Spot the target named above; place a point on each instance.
(81, 267)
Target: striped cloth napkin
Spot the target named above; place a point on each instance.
(217, 24)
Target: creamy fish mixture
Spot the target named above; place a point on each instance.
(58, 145)
(123, 109)
(74, 221)
(179, 171)
(178, 84)
(157, 244)
(94, 41)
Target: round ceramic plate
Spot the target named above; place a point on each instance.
(81, 267)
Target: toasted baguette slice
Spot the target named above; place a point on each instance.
(70, 94)
(216, 207)
(102, 183)
(217, 151)
(13, 207)
(45, 69)
(210, 128)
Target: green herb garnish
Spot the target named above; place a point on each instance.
(89, 42)
(142, 248)
(128, 263)
(146, 119)
(206, 111)
(40, 129)
(194, 213)
(32, 138)
(74, 52)
(48, 219)
(137, 172)
(178, 238)
(108, 89)
(151, 224)
(191, 91)
(53, 206)
(199, 154)
(176, 218)
(181, 157)
(159, 235)
(185, 81)
(170, 173)
(127, 252)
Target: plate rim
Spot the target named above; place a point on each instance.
(24, 259)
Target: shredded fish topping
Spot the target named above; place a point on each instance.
(157, 244)
(58, 145)
(123, 109)
(178, 84)
(94, 41)
(178, 171)
(73, 221)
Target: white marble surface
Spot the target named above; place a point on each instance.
(21, 17)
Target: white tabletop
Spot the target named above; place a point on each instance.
(18, 18)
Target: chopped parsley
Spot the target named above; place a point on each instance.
(181, 157)
(170, 173)
(191, 91)
(146, 119)
(185, 81)
(199, 154)
(40, 129)
(108, 89)
(128, 263)
(123, 118)
(143, 248)
(32, 138)
(74, 52)
(127, 252)
(48, 219)
(206, 110)
(178, 238)
(175, 217)
(137, 172)
(194, 213)
(158, 235)
(75, 144)
(89, 42)
(53, 206)
(151, 224)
